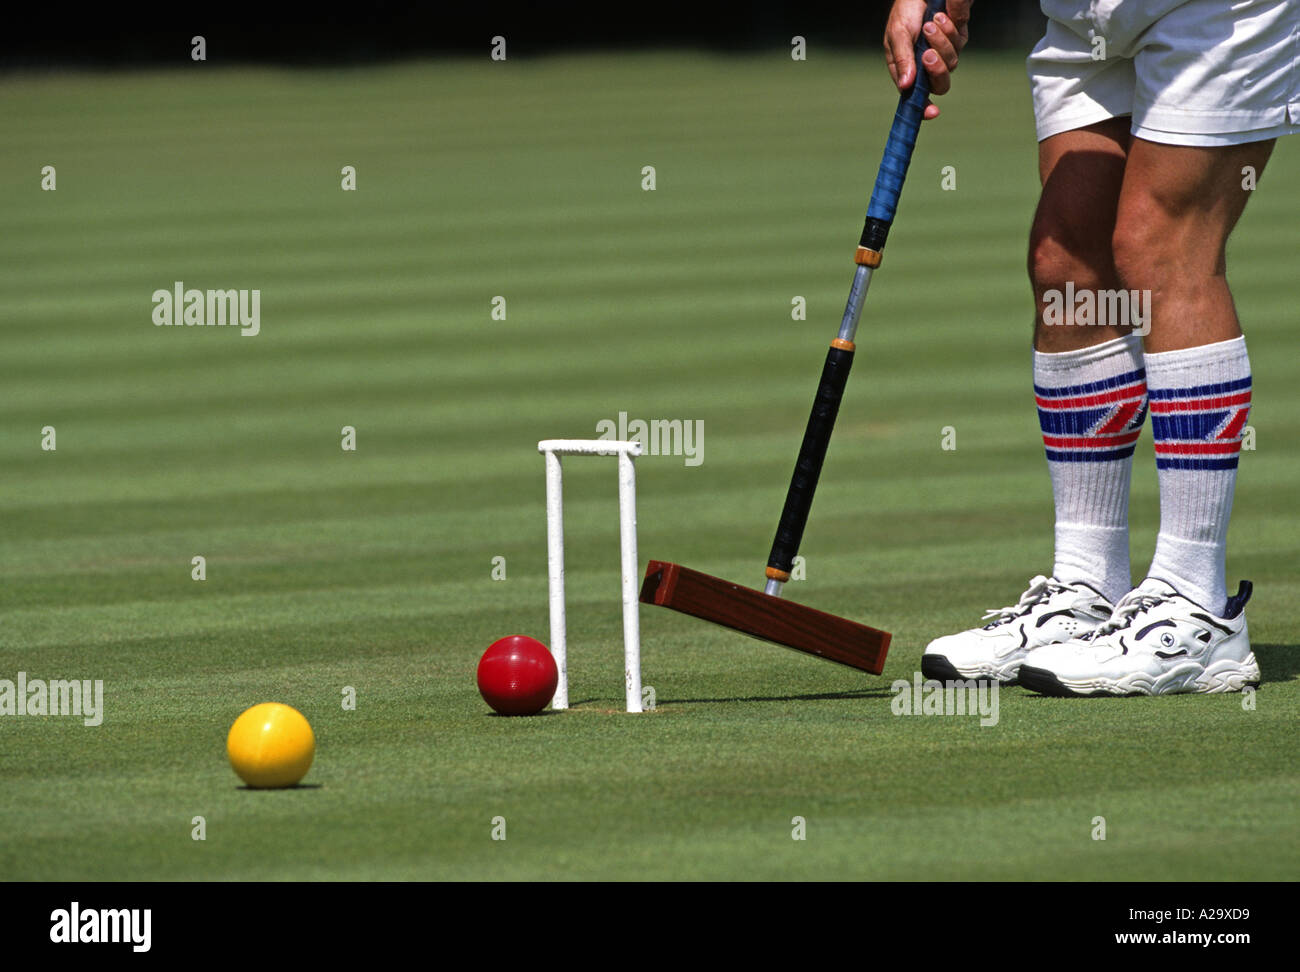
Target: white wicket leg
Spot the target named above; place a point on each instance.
(555, 575)
(631, 606)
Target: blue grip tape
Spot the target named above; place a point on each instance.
(902, 135)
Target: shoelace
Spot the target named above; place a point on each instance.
(1129, 607)
(1040, 589)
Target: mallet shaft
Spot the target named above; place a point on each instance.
(835, 372)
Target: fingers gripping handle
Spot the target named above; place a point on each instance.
(898, 149)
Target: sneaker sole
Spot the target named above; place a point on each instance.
(1043, 682)
(1223, 676)
(940, 669)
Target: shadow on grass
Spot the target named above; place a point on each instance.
(275, 789)
(819, 697)
(1277, 663)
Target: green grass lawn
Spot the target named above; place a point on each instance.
(373, 569)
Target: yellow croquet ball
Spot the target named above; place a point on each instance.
(271, 745)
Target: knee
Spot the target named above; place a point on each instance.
(1141, 246)
(1049, 261)
(1056, 258)
(1065, 254)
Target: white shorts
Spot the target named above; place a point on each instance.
(1189, 72)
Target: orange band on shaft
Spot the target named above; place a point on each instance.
(843, 345)
(867, 258)
(777, 575)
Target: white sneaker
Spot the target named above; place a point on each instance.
(1156, 643)
(1048, 612)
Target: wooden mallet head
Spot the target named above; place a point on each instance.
(763, 616)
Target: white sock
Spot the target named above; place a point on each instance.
(1200, 400)
(1091, 404)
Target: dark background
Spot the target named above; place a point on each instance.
(39, 36)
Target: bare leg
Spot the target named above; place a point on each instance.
(1082, 173)
(1176, 209)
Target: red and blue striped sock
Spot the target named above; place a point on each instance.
(1200, 400)
(1091, 404)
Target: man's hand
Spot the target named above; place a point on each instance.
(946, 36)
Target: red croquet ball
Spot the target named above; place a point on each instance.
(517, 675)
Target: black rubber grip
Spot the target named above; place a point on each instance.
(803, 484)
(874, 234)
